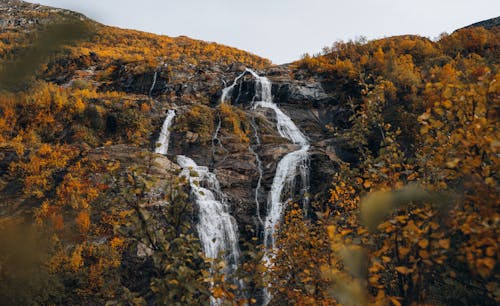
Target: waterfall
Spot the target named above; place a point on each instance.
(164, 138)
(286, 127)
(229, 90)
(153, 84)
(291, 165)
(288, 167)
(259, 185)
(216, 142)
(265, 89)
(216, 228)
(165, 133)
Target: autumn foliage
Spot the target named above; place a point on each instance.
(421, 201)
(412, 219)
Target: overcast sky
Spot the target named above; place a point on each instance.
(283, 30)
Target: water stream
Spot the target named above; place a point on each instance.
(164, 138)
(289, 167)
(216, 227)
(292, 164)
(153, 84)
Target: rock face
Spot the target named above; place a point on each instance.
(235, 162)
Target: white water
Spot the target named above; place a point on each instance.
(217, 229)
(153, 84)
(292, 164)
(226, 92)
(164, 138)
(264, 90)
(288, 167)
(216, 142)
(259, 185)
(285, 125)
(259, 169)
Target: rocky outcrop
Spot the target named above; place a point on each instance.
(161, 170)
(234, 162)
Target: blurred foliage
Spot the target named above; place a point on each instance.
(45, 42)
(414, 218)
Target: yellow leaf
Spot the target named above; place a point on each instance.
(345, 232)
(367, 184)
(402, 270)
(423, 243)
(453, 163)
(490, 251)
(424, 129)
(488, 262)
(439, 111)
(374, 279)
(412, 176)
(403, 251)
(444, 243)
(447, 104)
(394, 301)
(485, 266)
(425, 115)
(218, 292)
(331, 231)
(490, 181)
(423, 254)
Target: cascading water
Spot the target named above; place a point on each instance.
(153, 84)
(259, 185)
(216, 227)
(287, 169)
(226, 92)
(216, 142)
(164, 138)
(289, 166)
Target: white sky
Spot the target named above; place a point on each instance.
(283, 30)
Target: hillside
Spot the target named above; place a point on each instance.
(487, 24)
(143, 169)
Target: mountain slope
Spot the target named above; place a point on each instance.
(110, 221)
(487, 24)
